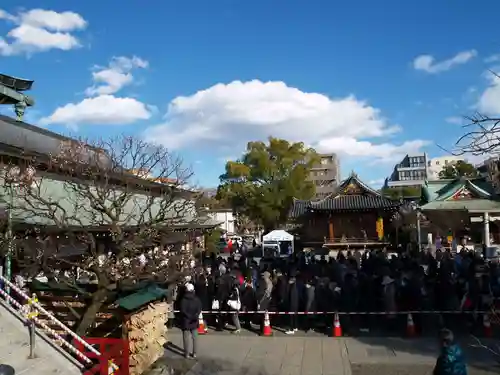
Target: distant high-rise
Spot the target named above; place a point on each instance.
(411, 171)
(325, 175)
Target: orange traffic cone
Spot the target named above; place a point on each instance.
(202, 329)
(267, 330)
(487, 326)
(337, 329)
(410, 326)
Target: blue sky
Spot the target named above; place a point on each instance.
(369, 80)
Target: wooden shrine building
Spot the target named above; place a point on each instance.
(353, 216)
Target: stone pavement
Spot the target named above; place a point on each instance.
(400, 356)
(14, 349)
(221, 354)
(254, 355)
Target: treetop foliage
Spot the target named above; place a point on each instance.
(262, 184)
(458, 169)
(402, 192)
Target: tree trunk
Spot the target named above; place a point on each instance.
(98, 299)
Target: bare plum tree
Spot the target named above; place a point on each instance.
(107, 209)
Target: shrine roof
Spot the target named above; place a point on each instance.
(351, 195)
(464, 194)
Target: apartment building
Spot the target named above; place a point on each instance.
(436, 165)
(326, 175)
(490, 169)
(411, 171)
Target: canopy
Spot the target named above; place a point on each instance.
(278, 235)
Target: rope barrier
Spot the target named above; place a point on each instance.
(342, 312)
(48, 329)
(51, 317)
(32, 312)
(33, 302)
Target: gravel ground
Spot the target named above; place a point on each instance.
(388, 369)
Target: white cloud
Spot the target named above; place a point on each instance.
(492, 59)
(101, 110)
(39, 30)
(377, 182)
(428, 63)
(232, 114)
(111, 79)
(48, 19)
(105, 108)
(489, 100)
(7, 16)
(383, 152)
(455, 120)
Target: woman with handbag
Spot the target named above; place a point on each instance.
(234, 304)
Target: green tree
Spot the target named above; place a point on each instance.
(459, 169)
(262, 184)
(402, 192)
(212, 240)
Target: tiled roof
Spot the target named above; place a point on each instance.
(351, 195)
(299, 208)
(343, 203)
(354, 202)
(463, 205)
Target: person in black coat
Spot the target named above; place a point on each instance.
(293, 301)
(248, 302)
(190, 309)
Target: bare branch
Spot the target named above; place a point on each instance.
(479, 344)
(106, 209)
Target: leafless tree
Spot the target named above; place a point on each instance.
(118, 201)
(482, 136)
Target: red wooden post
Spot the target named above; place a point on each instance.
(115, 350)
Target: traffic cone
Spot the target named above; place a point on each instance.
(202, 329)
(267, 330)
(337, 329)
(410, 326)
(487, 326)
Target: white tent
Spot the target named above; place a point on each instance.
(273, 241)
(278, 235)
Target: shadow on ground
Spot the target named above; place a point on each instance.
(480, 360)
(175, 364)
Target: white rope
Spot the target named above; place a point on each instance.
(53, 319)
(48, 329)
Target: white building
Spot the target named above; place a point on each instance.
(225, 217)
(436, 165)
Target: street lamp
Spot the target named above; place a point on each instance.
(14, 177)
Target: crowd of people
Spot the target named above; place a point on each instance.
(355, 282)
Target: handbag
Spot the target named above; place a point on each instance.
(235, 304)
(215, 305)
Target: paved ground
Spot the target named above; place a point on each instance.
(14, 349)
(222, 353)
(254, 355)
